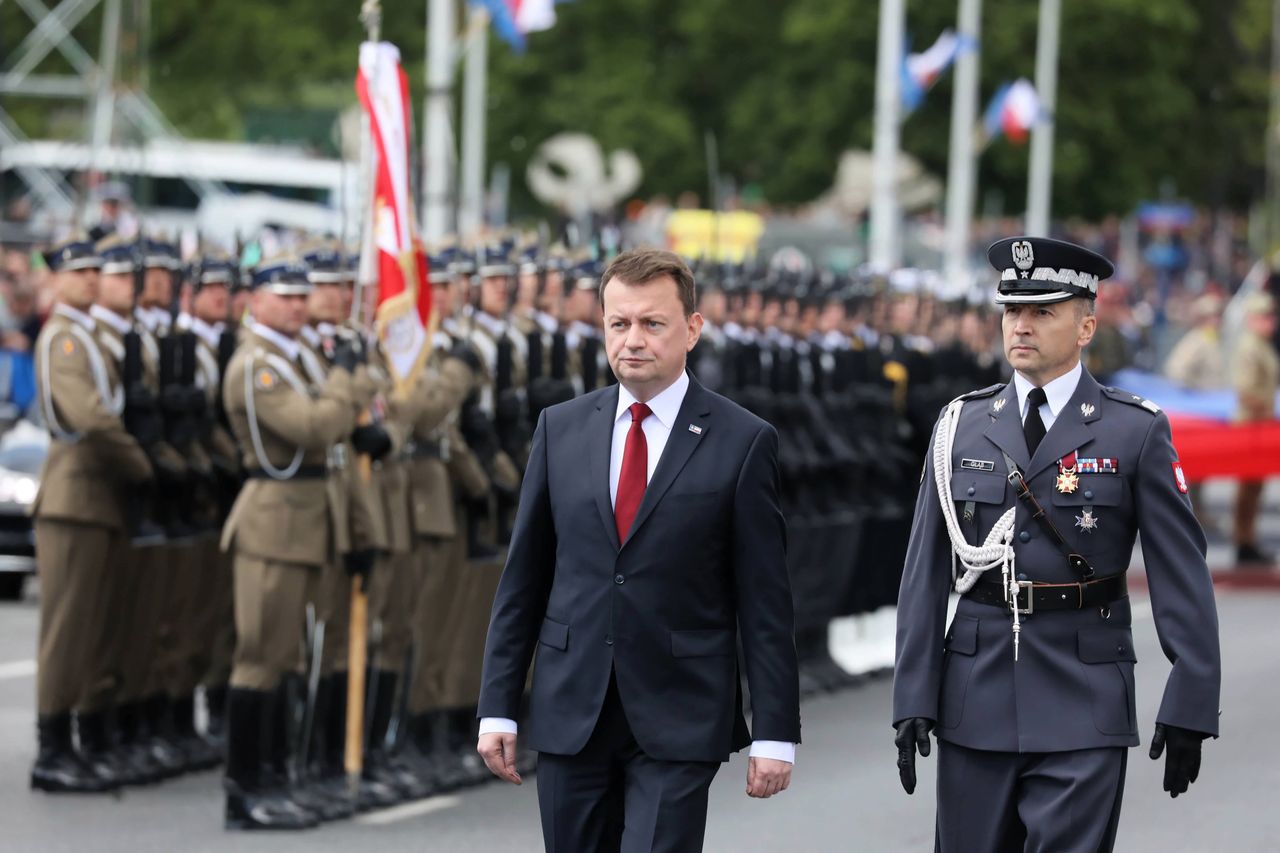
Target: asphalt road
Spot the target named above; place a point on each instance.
(844, 797)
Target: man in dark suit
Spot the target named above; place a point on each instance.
(649, 532)
(1033, 495)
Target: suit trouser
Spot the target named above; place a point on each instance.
(613, 797)
(1037, 802)
(271, 612)
(77, 664)
(440, 575)
(204, 619)
(180, 666)
(165, 586)
(393, 593)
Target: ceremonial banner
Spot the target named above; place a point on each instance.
(403, 299)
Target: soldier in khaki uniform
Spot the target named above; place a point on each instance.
(213, 279)
(280, 528)
(359, 533)
(142, 755)
(1255, 373)
(80, 526)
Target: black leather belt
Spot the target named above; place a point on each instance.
(304, 472)
(425, 450)
(1033, 597)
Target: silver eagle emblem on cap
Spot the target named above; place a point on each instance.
(1024, 257)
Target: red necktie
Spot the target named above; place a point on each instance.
(635, 473)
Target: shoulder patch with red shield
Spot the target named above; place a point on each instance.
(1179, 477)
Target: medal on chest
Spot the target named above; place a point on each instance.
(1068, 478)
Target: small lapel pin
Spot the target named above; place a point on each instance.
(695, 429)
(1086, 409)
(999, 404)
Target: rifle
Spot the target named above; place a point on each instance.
(141, 418)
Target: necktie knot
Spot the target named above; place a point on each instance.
(640, 411)
(1037, 397)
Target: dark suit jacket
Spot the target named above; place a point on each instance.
(1073, 685)
(706, 556)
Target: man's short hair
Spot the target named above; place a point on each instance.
(641, 266)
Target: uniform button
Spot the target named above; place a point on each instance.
(1120, 649)
(1088, 494)
(608, 639)
(972, 490)
(619, 579)
(1024, 536)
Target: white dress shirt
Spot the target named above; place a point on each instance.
(664, 408)
(1057, 392)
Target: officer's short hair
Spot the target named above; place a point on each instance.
(640, 266)
(1084, 307)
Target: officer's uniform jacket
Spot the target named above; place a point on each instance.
(92, 458)
(285, 426)
(110, 329)
(431, 411)
(354, 504)
(1073, 684)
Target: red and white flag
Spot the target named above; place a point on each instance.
(390, 252)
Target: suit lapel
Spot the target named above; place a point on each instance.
(1005, 431)
(599, 449)
(680, 446)
(1070, 430)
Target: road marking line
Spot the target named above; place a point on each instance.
(17, 669)
(395, 814)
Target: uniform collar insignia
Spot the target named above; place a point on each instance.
(998, 405)
(1086, 409)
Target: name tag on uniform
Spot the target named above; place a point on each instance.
(977, 464)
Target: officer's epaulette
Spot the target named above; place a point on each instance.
(1122, 396)
(989, 391)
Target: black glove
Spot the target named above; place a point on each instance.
(372, 440)
(466, 354)
(1182, 764)
(359, 564)
(346, 355)
(913, 734)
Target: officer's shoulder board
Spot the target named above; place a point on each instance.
(982, 393)
(1122, 396)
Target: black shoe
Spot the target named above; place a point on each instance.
(154, 728)
(265, 810)
(134, 750)
(1249, 554)
(57, 768)
(450, 774)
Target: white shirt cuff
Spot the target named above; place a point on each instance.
(776, 749)
(497, 725)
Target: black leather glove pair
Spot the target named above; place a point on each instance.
(1181, 768)
(913, 734)
(1182, 763)
(348, 354)
(359, 564)
(372, 440)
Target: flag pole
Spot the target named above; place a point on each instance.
(474, 94)
(1040, 178)
(962, 160)
(436, 162)
(885, 213)
(357, 645)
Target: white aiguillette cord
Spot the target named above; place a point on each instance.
(997, 548)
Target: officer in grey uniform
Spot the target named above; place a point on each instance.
(1031, 498)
